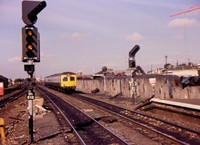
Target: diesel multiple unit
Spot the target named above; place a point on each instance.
(63, 81)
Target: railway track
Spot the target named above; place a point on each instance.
(8, 99)
(171, 131)
(87, 129)
(12, 89)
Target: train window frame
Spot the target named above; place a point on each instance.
(72, 78)
(65, 79)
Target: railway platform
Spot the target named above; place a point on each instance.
(184, 103)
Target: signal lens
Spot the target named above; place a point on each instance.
(29, 47)
(29, 32)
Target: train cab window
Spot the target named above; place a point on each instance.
(65, 79)
(72, 78)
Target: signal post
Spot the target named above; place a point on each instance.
(132, 66)
(31, 49)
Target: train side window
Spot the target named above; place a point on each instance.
(65, 79)
(72, 78)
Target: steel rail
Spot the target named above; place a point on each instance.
(42, 91)
(82, 128)
(12, 98)
(118, 111)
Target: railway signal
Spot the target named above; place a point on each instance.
(131, 62)
(30, 44)
(30, 10)
(31, 48)
(30, 34)
(133, 68)
(134, 50)
(30, 68)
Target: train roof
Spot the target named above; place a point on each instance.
(71, 73)
(68, 73)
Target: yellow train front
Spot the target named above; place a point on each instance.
(65, 82)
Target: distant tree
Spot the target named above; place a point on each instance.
(168, 66)
(190, 64)
(183, 64)
(19, 80)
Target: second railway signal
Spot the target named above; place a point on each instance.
(132, 66)
(131, 61)
(134, 50)
(30, 44)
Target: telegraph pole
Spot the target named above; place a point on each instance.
(31, 49)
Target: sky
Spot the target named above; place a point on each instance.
(85, 35)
